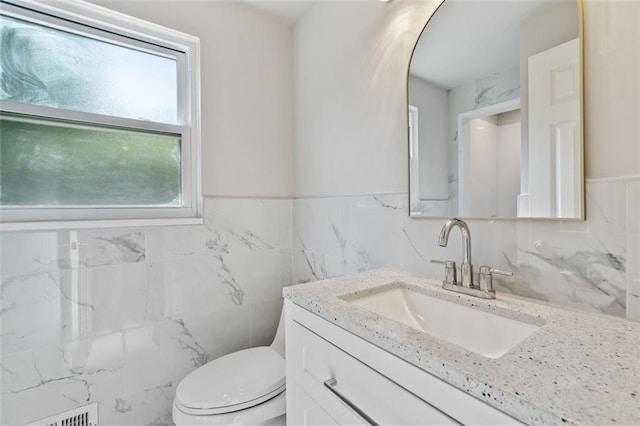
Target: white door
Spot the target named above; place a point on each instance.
(555, 149)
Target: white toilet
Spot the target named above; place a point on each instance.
(245, 387)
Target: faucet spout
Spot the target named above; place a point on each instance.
(443, 239)
(466, 268)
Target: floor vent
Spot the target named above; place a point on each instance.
(81, 416)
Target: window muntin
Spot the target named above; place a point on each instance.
(174, 127)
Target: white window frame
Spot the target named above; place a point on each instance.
(103, 24)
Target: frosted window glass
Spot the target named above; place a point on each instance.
(45, 66)
(44, 164)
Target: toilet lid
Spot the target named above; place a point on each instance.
(233, 382)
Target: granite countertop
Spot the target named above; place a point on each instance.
(578, 367)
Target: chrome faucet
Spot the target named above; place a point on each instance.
(466, 286)
(466, 269)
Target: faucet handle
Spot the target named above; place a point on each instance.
(486, 277)
(490, 270)
(501, 272)
(447, 263)
(449, 270)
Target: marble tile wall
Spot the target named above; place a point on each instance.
(119, 316)
(499, 87)
(592, 265)
(633, 249)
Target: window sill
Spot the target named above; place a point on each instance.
(96, 224)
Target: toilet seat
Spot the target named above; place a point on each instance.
(266, 413)
(233, 382)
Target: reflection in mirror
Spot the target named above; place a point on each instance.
(495, 111)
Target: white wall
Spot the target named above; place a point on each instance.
(612, 88)
(350, 95)
(509, 136)
(492, 178)
(350, 119)
(482, 196)
(353, 140)
(246, 92)
(433, 138)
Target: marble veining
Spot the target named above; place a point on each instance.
(580, 264)
(500, 87)
(349, 250)
(122, 406)
(412, 245)
(64, 293)
(111, 248)
(130, 245)
(188, 343)
(577, 368)
(485, 95)
(120, 316)
(251, 240)
(141, 408)
(52, 368)
(187, 294)
(316, 267)
(165, 420)
(582, 267)
(235, 291)
(385, 204)
(216, 244)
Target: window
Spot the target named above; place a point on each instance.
(99, 118)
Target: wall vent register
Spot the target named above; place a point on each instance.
(81, 416)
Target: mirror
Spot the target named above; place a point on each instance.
(495, 111)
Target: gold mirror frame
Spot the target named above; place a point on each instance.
(582, 215)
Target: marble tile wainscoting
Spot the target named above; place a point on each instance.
(592, 265)
(119, 316)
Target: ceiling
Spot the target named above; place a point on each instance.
(465, 38)
(289, 10)
(469, 39)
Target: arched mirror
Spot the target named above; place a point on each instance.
(495, 111)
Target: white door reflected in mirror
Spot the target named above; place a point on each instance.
(496, 89)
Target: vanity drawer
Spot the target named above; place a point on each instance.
(365, 396)
(379, 383)
(304, 411)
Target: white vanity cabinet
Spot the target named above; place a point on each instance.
(335, 377)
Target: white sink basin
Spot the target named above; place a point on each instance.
(480, 332)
